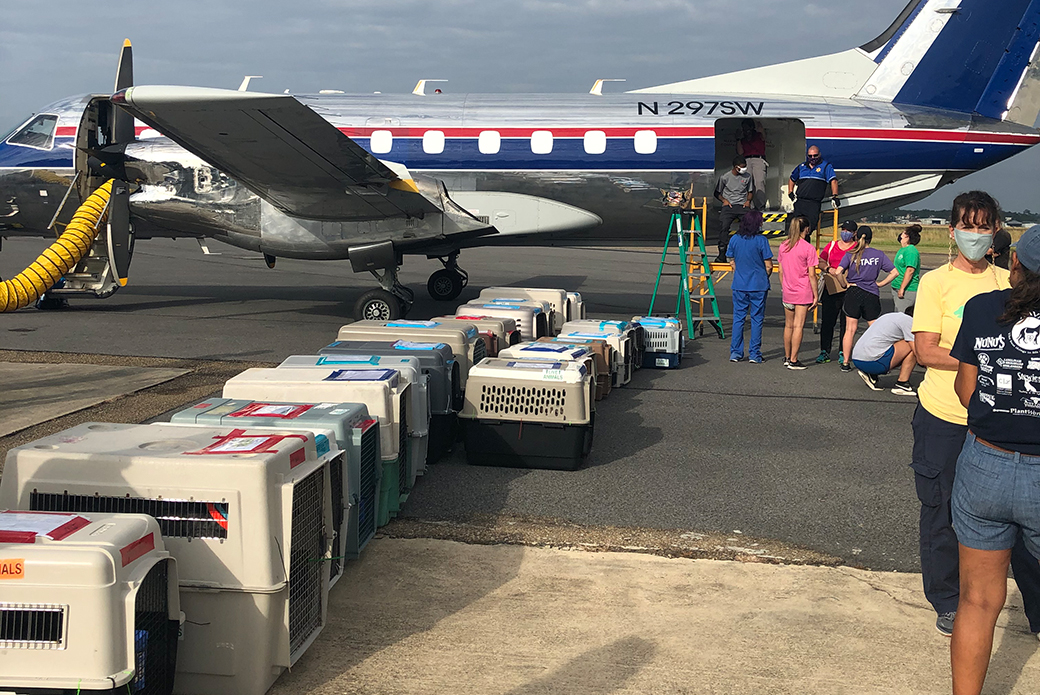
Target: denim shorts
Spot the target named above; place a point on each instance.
(994, 495)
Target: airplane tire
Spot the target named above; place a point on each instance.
(378, 305)
(445, 285)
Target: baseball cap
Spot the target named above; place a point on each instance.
(849, 226)
(1028, 248)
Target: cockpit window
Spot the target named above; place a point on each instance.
(39, 132)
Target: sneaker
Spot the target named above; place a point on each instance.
(944, 623)
(846, 368)
(870, 380)
(787, 362)
(795, 365)
(734, 358)
(755, 360)
(903, 388)
(841, 356)
(823, 357)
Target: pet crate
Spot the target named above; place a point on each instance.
(621, 341)
(531, 320)
(602, 352)
(664, 341)
(558, 307)
(528, 414)
(575, 307)
(499, 332)
(353, 476)
(557, 352)
(88, 603)
(246, 513)
(382, 391)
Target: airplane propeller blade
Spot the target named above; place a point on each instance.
(120, 235)
(122, 121)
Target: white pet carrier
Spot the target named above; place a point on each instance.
(622, 339)
(353, 476)
(664, 341)
(531, 320)
(463, 339)
(246, 513)
(559, 309)
(575, 307)
(528, 414)
(88, 603)
(419, 402)
(556, 352)
(500, 332)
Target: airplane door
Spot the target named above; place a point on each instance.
(785, 149)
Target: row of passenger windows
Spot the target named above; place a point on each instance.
(490, 142)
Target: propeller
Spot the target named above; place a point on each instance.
(113, 163)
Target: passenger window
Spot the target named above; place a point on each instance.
(595, 142)
(489, 142)
(39, 132)
(541, 142)
(646, 142)
(382, 141)
(433, 142)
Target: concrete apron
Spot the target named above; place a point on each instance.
(431, 616)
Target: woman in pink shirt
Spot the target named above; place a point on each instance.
(797, 260)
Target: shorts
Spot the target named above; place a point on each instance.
(790, 307)
(876, 367)
(996, 494)
(860, 304)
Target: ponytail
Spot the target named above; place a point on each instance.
(795, 231)
(857, 253)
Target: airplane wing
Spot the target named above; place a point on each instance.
(280, 149)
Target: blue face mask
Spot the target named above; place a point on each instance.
(973, 246)
(847, 236)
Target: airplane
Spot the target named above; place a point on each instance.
(949, 88)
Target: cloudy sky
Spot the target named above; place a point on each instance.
(479, 45)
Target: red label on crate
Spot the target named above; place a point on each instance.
(139, 548)
(69, 528)
(367, 424)
(17, 536)
(238, 442)
(202, 406)
(284, 411)
(297, 457)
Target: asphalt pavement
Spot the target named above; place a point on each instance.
(810, 459)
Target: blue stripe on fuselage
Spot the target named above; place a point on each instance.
(61, 156)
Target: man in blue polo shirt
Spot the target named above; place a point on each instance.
(813, 177)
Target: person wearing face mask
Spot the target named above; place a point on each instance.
(908, 263)
(752, 146)
(940, 422)
(813, 177)
(734, 190)
(832, 296)
(994, 501)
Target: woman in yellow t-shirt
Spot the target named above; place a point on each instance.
(940, 421)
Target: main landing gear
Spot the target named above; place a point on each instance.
(393, 301)
(447, 284)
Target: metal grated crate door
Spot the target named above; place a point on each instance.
(479, 351)
(305, 560)
(177, 518)
(338, 509)
(155, 635)
(403, 456)
(369, 484)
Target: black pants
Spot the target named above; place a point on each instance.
(937, 444)
(809, 208)
(727, 216)
(832, 315)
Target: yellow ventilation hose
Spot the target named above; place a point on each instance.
(61, 256)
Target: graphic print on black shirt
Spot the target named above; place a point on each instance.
(1005, 408)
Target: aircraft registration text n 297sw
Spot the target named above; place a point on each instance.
(951, 87)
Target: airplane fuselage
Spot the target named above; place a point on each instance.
(610, 155)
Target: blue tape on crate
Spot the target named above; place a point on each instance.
(405, 345)
(348, 359)
(657, 323)
(321, 444)
(413, 324)
(361, 375)
(544, 347)
(598, 336)
(615, 324)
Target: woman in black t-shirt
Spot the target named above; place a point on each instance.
(996, 492)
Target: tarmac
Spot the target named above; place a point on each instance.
(738, 528)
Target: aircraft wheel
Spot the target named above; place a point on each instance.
(377, 305)
(445, 285)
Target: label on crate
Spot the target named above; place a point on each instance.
(405, 345)
(284, 411)
(23, 527)
(663, 362)
(545, 347)
(238, 442)
(347, 359)
(413, 324)
(598, 336)
(361, 375)
(12, 568)
(535, 365)
(508, 300)
(552, 375)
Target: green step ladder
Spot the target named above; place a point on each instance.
(690, 247)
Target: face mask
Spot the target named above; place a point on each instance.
(847, 236)
(814, 160)
(973, 246)
(742, 170)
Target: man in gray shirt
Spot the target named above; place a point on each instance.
(734, 190)
(887, 344)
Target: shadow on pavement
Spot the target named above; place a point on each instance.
(596, 672)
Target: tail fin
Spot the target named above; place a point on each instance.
(971, 56)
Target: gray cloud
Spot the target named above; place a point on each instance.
(479, 45)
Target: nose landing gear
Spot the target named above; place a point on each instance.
(447, 284)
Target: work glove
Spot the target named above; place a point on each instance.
(836, 201)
